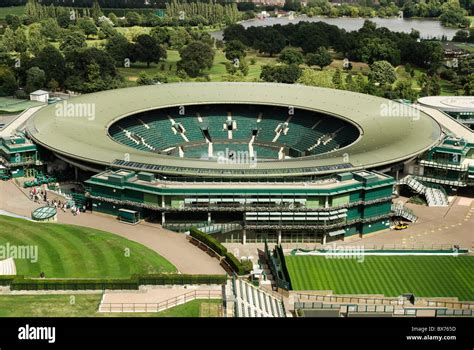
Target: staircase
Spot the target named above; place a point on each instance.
(400, 210)
(251, 301)
(435, 197)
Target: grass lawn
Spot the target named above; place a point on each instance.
(12, 10)
(427, 276)
(66, 251)
(86, 305)
(12, 105)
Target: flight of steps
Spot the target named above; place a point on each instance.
(434, 196)
(7, 267)
(400, 210)
(254, 302)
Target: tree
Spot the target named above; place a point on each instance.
(146, 49)
(8, 84)
(88, 26)
(382, 73)
(33, 10)
(291, 56)
(337, 79)
(119, 48)
(64, 19)
(35, 79)
(36, 40)
(313, 78)
(236, 32)
(91, 69)
(321, 58)
(72, 41)
(96, 11)
(21, 40)
(179, 38)
(161, 35)
(52, 62)
(13, 21)
(461, 36)
(403, 89)
(106, 30)
(270, 41)
(50, 29)
(195, 57)
(237, 66)
(287, 74)
(133, 18)
(430, 85)
(234, 50)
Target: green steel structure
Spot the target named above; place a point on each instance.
(18, 157)
(338, 206)
(80, 130)
(450, 164)
(319, 173)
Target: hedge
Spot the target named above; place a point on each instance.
(208, 240)
(284, 268)
(132, 283)
(215, 245)
(6, 280)
(235, 264)
(181, 279)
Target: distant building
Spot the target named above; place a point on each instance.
(40, 96)
(452, 54)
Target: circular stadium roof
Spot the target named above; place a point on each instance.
(449, 103)
(77, 129)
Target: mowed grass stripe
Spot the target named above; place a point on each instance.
(73, 260)
(74, 251)
(36, 237)
(428, 276)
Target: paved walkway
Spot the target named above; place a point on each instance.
(11, 128)
(435, 226)
(173, 246)
(447, 122)
(159, 294)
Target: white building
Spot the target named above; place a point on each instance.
(40, 96)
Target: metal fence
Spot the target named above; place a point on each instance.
(163, 305)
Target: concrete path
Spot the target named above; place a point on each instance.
(435, 226)
(156, 298)
(10, 129)
(447, 122)
(173, 246)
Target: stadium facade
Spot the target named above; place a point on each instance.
(249, 160)
(338, 206)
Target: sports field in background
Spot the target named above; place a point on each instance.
(11, 10)
(11, 105)
(66, 251)
(427, 276)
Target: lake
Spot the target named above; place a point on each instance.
(428, 28)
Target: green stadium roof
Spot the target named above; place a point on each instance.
(384, 139)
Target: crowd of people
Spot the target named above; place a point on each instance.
(39, 195)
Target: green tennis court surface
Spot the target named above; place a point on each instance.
(427, 276)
